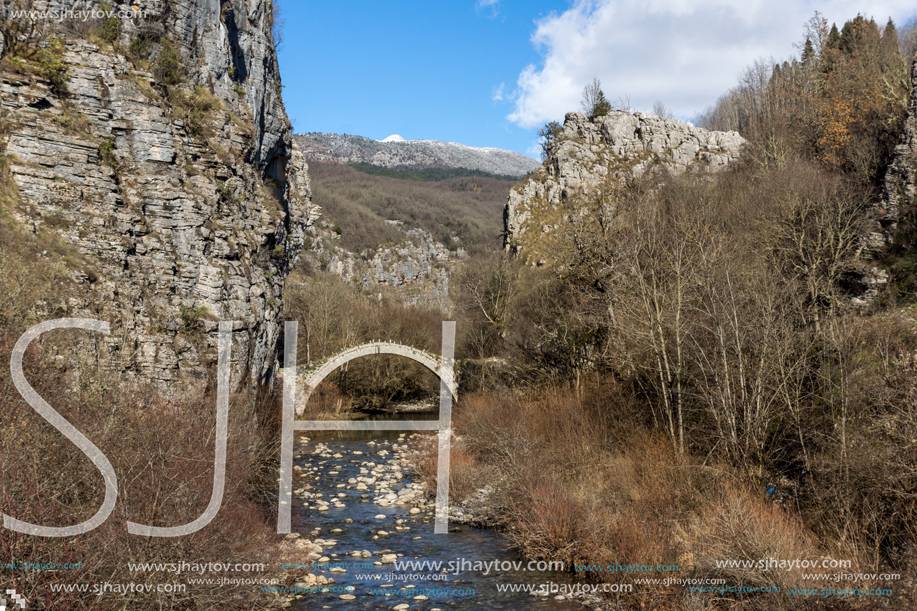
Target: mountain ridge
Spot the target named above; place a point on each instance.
(395, 153)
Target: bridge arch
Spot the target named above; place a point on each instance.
(311, 378)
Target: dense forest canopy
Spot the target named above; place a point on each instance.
(842, 100)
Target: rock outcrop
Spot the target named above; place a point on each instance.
(182, 205)
(395, 153)
(416, 269)
(900, 180)
(893, 219)
(586, 155)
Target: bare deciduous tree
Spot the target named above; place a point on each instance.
(813, 242)
(594, 103)
(660, 110)
(590, 96)
(276, 24)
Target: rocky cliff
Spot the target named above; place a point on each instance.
(586, 157)
(900, 180)
(415, 269)
(400, 153)
(892, 221)
(161, 157)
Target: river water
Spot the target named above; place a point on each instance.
(334, 482)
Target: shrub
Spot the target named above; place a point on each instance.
(735, 525)
(594, 104)
(167, 69)
(22, 37)
(162, 452)
(275, 20)
(579, 483)
(327, 402)
(73, 121)
(227, 193)
(466, 473)
(107, 152)
(190, 317)
(548, 133)
(50, 59)
(110, 27)
(196, 108)
(139, 47)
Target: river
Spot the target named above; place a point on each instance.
(351, 522)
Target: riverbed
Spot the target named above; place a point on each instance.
(354, 496)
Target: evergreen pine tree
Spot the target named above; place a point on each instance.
(808, 51)
(890, 43)
(834, 37)
(601, 107)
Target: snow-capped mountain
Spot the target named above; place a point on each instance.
(396, 152)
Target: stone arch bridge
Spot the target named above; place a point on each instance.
(310, 376)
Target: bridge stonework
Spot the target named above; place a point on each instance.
(443, 367)
(310, 376)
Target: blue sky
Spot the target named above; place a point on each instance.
(490, 72)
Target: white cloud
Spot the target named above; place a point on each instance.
(493, 5)
(685, 53)
(498, 93)
(534, 150)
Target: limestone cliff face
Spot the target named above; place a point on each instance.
(901, 178)
(893, 219)
(587, 155)
(416, 269)
(183, 205)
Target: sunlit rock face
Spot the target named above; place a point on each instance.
(176, 207)
(901, 178)
(418, 267)
(586, 156)
(891, 218)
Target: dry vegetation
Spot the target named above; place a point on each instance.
(160, 444)
(692, 383)
(161, 447)
(359, 203)
(162, 452)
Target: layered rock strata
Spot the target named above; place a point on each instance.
(900, 189)
(181, 204)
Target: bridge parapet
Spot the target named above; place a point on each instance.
(311, 375)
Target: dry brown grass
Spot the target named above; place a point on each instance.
(162, 450)
(735, 525)
(579, 478)
(327, 402)
(466, 473)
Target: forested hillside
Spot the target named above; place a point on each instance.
(713, 366)
(463, 211)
